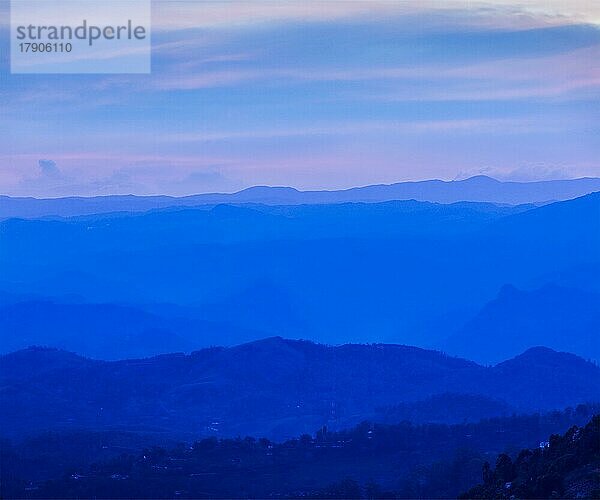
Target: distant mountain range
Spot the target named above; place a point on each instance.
(401, 272)
(477, 189)
(273, 387)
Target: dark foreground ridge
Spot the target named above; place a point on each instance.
(279, 388)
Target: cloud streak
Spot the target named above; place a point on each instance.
(175, 15)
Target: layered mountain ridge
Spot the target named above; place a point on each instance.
(282, 387)
(479, 188)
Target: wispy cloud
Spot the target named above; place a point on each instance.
(511, 78)
(318, 94)
(505, 125)
(170, 15)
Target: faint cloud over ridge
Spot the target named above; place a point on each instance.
(48, 168)
(525, 173)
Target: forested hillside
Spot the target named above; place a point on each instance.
(565, 466)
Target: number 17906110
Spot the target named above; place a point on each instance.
(45, 47)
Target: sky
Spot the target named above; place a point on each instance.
(316, 95)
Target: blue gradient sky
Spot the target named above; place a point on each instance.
(316, 95)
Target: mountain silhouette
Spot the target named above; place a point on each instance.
(565, 319)
(479, 188)
(273, 387)
(109, 331)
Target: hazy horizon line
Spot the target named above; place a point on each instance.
(289, 187)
